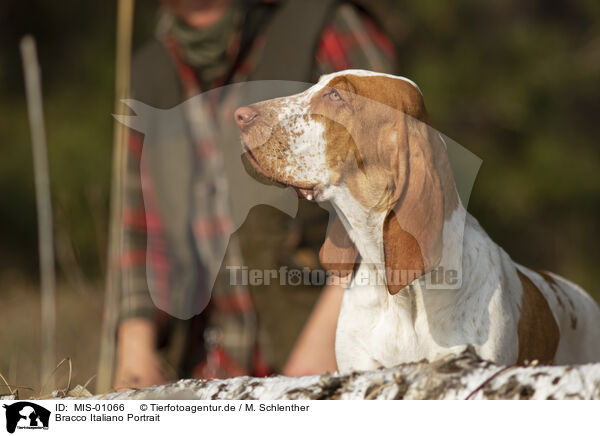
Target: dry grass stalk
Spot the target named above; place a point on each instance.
(10, 391)
(113, 285)
(64, 391)
(33, 88)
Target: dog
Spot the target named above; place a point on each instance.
(363, 141)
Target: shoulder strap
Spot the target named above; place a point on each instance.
(292, 37)
(154, 77)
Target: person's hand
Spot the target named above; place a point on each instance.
(137, 362)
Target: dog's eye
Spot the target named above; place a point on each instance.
(334, 96)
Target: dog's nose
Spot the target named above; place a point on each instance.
(245, 115)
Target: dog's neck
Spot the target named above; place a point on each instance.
(365, 228)
(363, 225)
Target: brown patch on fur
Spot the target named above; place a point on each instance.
(537, 330)
(560, 293)
(338, 253)
(403, 256)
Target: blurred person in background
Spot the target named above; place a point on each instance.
(245, 330)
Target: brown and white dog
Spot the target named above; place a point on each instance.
(362, 141)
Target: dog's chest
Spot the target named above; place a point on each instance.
(376, 329)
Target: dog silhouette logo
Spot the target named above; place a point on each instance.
(26, 415)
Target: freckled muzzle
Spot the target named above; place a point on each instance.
(266, 145)
(255, 133)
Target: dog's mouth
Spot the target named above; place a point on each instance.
(309, 194)
(254, 162)
(303, 190)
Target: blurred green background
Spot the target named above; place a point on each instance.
(515, 82)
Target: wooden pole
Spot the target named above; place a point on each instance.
(33, 88)
(113, 276)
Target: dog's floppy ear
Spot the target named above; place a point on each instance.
(412, 229)
(338, 253)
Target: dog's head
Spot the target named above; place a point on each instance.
(366, 135)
